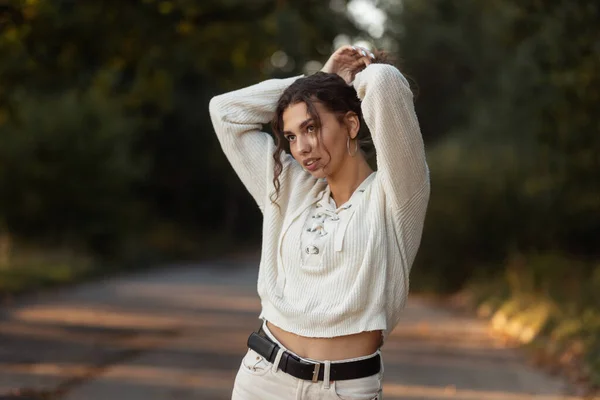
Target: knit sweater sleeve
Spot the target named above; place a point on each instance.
(388, 110)
(238, 118)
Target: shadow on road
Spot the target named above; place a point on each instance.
(180, 334)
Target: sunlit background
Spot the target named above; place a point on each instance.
(109, 163)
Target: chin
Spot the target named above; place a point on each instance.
(319, 174)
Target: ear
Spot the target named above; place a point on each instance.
(353, 123)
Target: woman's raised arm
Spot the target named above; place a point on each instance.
(238, 118)
(388, 110)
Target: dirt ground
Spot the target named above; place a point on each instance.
(180, 333)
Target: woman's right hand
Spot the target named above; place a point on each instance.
(347, 61)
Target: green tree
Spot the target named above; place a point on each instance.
(152, 66)
(506, 100)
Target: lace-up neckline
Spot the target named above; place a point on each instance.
(326, 222)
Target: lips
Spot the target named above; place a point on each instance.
(311, 163)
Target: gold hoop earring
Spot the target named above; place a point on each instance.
(348, 147)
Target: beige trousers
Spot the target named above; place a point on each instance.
(258, 379)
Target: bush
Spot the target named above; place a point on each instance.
(66, 169)
(476, 213)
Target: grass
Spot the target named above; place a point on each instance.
(16, 280)
(558, 322)
(31, 270)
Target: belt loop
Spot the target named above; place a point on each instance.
(326, 374)
(275, 366)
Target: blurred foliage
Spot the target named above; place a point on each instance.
(34, 268)
(66, 168)
(107, 145)
(507, 97)
(550, 303)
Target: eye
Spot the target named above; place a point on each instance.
(290, 138)
(310, 129)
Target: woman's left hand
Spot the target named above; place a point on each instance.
(347, 61)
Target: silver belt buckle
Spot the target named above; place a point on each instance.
(315, 377)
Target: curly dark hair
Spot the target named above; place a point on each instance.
(331, 91)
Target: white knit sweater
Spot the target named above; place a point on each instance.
(362, 284)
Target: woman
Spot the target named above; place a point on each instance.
(338, 239)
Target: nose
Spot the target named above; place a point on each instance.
(303, 144)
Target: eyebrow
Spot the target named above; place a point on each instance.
(302, 125)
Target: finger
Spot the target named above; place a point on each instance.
(352, 51)
(367, 53)
(361, 63)
(364, 52)
(347, 50)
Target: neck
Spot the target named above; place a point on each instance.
(345, 181)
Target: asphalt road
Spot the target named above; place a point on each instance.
(180, 333)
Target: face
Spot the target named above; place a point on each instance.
(324, 152)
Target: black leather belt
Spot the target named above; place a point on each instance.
(263, 345)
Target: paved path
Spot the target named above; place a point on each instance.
(180, 333)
